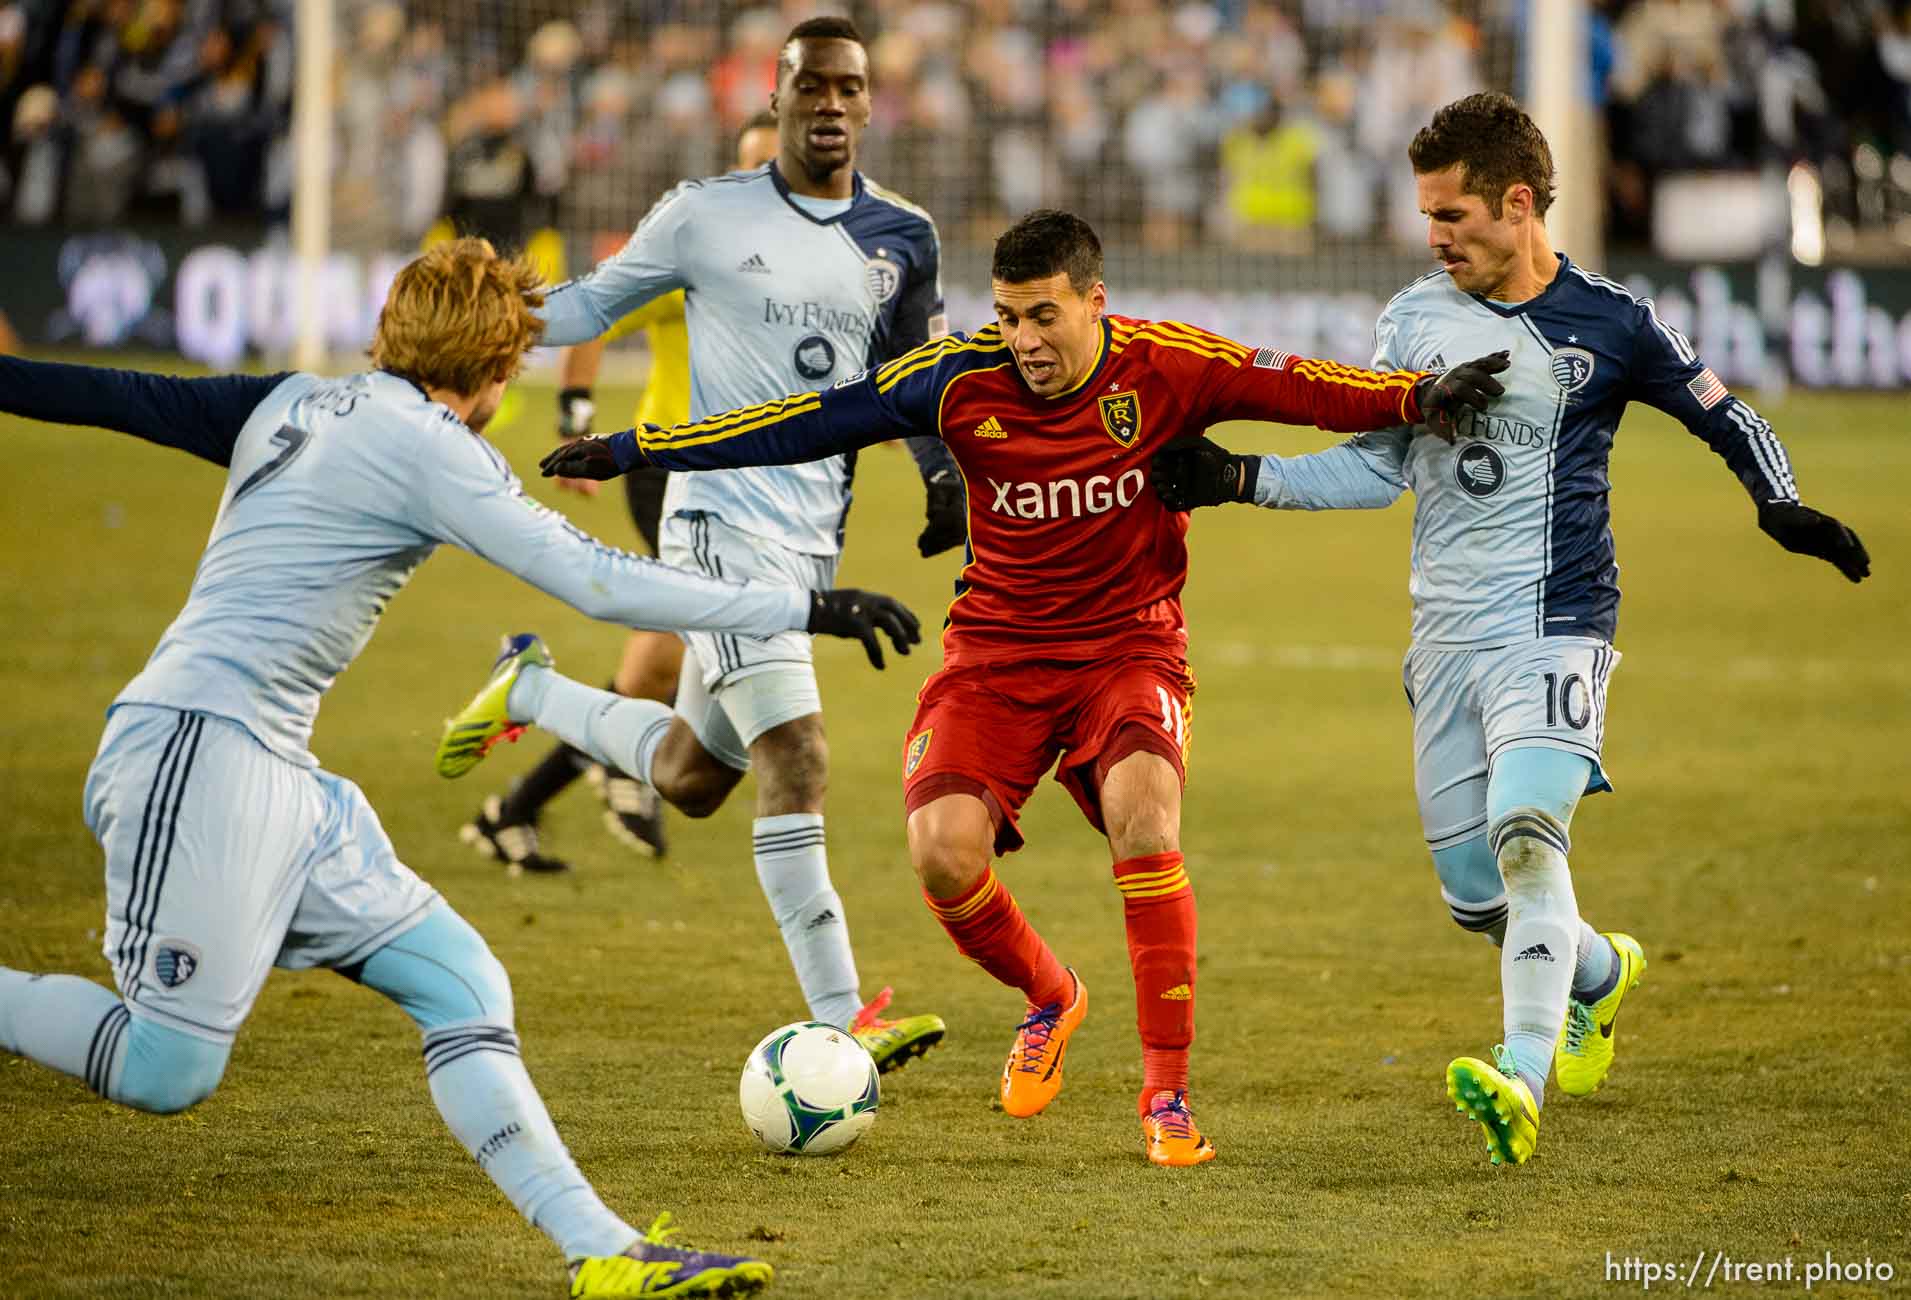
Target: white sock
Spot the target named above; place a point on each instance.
(1597, 968)
(617, 732)
(793, 868)
(1542, 936)
(490, 1105)
(62, 1021)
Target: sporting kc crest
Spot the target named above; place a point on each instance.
(1121, 416)
(1572, 367)
(912, 756)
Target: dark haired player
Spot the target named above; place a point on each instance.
(1514, 583)
(1066, 638)
(795, 276)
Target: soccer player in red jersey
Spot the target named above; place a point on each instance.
(1066, 638)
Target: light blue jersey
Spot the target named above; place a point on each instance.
(778, 301)
(338, 490)
(1511, 525)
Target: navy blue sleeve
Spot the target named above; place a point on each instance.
(919, 318)
(202, 416)
(900, 398)
(1667, 374)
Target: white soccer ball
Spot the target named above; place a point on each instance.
(808, 1089)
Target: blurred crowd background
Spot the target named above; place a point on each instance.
(1274, 125)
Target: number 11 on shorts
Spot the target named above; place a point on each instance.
(1172, 720)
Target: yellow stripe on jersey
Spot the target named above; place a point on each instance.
(930, 354)
(1162, 339)
(1199, 335)
(730, 425)
(1332, 372)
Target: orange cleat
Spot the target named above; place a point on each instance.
(1169, 1134)
(1033, 1074)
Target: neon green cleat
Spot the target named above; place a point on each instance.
(484, 722)
(1584, 1054)
(892, 1044)
(1500, 1100)
(654, 1270)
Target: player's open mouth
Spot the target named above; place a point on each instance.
(828, 137)
(1037, 371)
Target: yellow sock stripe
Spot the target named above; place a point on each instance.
(1170, 341)
(1199, 335)
(1149, 877)
(1159, 891)
(1135, 880)
(923, 362)
(693, 435)
(963, 911)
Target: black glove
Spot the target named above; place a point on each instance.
(575, 410)
(947, 512)
(1192, 471)
(1445, 399)
(581, 458)
(847, 612)
(1797, 527)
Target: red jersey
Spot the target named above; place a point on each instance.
(1071, 554)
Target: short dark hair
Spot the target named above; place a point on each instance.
(817, 29)
(758, 120)
(1047, 242)
(1496, 143)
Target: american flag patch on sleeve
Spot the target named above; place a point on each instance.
(1707, 388)
(1272, 359)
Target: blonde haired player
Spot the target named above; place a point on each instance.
(228, 849)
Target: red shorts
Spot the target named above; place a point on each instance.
(993, 731)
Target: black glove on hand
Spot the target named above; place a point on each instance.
(1797, 527)
(1193, 471)
(1445, 399)
(847, 612)
(575, 411)
(947, 511)
(581, 458)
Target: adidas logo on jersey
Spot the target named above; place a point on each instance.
(991, 428)
(1179, 993)
(1538, 952)
(755, 264)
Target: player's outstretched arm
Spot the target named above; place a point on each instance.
(1446, 399)
(1361, 474)
(1804, 531)
(858, 615)
(1668, 374)
(202, 416)
(893, 400)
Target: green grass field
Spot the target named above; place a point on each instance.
(1759, 733)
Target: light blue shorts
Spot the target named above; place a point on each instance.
(733, 687)
(224, 860)
(1470, 706)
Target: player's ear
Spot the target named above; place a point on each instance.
(1517, 202)
(1097, 300)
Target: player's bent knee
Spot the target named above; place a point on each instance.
(440, 972)
(167, 1070)
(1471, 887)
(689, 778)
(950, 844)
(1527, 841)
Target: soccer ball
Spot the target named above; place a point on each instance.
(808, 1089)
